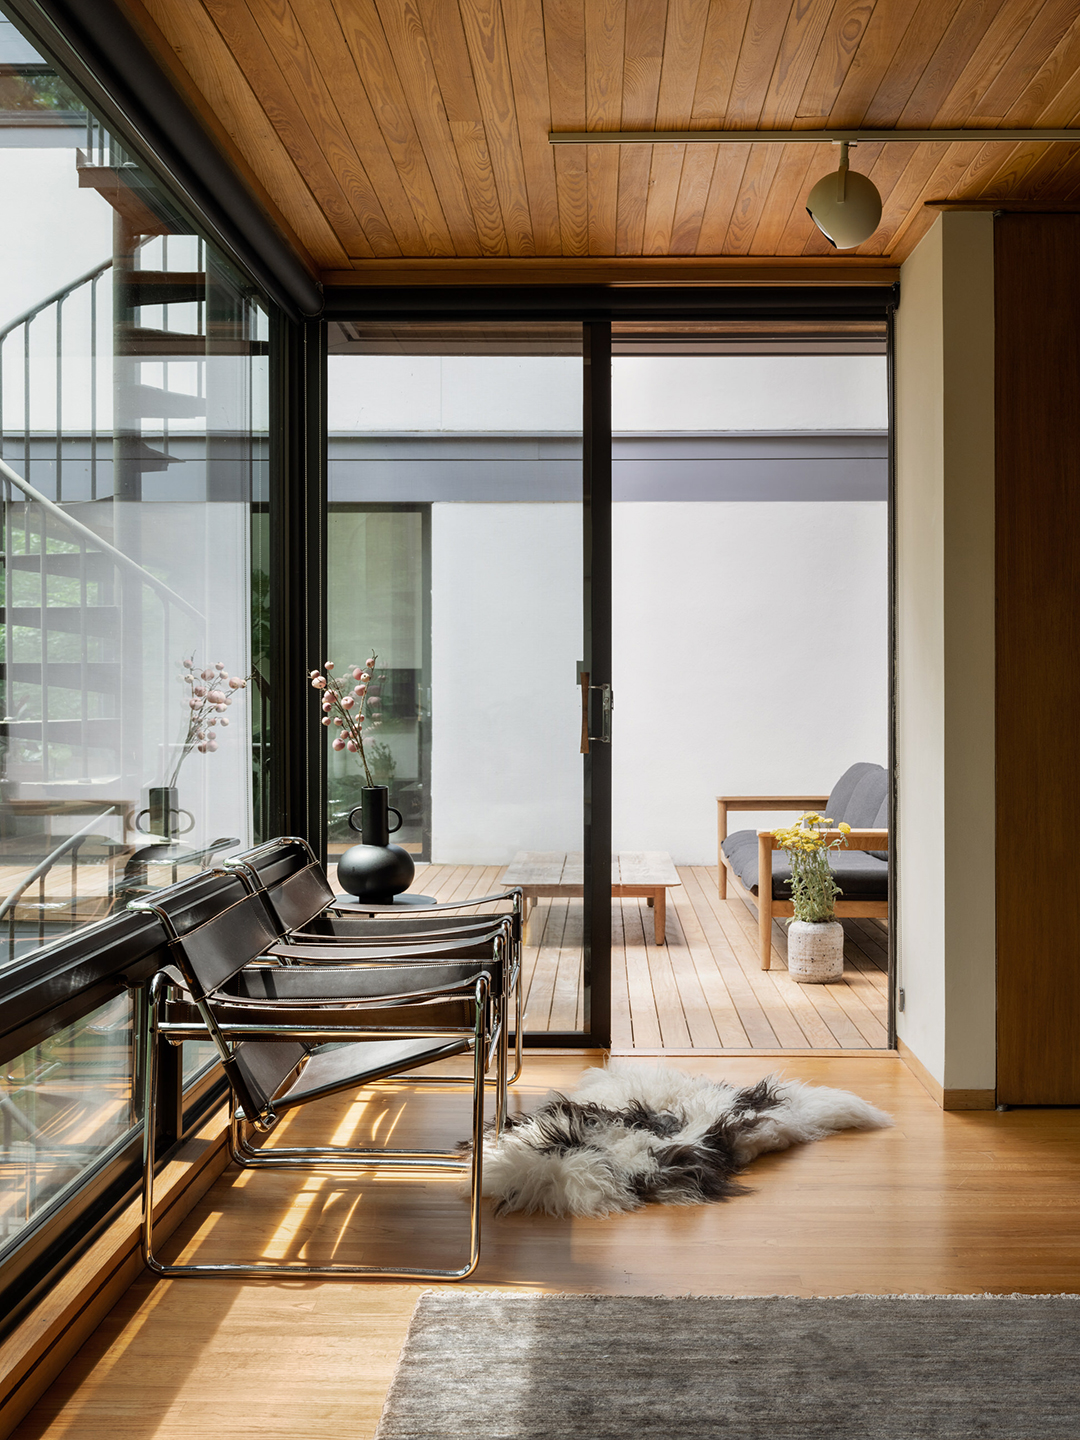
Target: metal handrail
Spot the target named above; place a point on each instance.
(85, 533)
(61, 294)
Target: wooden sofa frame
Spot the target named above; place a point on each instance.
(769, 909)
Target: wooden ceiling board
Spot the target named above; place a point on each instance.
(206, 71)
(363, 119)
(526, 51)
(404, 52)
(605, 46)
(1048, 26)
(799, 46)
(393, 131)
(720, 48)
(967, 29)
(839, 44)
(699, 164)
(329, 165)
(905, 66)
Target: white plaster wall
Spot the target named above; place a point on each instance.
(725, 679)
(945, 652)
(508, 393)
(506, 721)
(750, 656)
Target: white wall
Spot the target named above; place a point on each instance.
(725, 679)
(945, 652)
(750, 657)
(507, 393)
(506, 720)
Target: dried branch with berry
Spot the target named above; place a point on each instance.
(210, 693)
(349, 708)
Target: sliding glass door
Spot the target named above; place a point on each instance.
(456, 531)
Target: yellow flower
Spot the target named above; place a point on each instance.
(844, 828)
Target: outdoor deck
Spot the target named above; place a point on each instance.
(703, 989)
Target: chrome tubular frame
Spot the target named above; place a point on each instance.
(317, 1156)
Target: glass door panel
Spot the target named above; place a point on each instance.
(455, 558)
(749, 657)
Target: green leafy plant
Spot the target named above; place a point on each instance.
(813, 887)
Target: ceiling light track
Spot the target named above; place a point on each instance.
(804, 137)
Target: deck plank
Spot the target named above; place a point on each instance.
(701, 990)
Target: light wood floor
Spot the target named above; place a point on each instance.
(955, 1202)
(704, 988)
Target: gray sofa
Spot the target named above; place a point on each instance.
(861, 799)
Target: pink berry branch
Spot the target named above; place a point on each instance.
(211, 692)
(348, 708)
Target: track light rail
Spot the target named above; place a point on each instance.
(805, 137)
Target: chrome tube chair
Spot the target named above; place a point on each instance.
(306, 912)
(279, 1033)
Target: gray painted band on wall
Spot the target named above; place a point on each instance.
(537, 468)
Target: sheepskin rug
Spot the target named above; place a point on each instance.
(630, 1134)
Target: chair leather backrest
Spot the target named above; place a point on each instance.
(258, 1069)
(215, 951)
(296, 901)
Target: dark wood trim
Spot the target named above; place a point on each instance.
(1037, 441)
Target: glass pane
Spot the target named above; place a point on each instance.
(133, 441)
(749, 657)
(455, 544)
(63, 1106)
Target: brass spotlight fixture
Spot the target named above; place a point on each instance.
(845, 206)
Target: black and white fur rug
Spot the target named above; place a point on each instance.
(630, 1134)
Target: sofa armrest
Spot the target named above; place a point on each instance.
(724, 803)
(856, 839)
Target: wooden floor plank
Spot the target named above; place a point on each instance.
(643, 1014)
(696, 1007)
(751, 1014)
(997, 1211)
(725, 1015)
(654, 958)
(773, 1001)
(704, 988)
(564, 1000)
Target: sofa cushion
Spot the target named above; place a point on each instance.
(860, 874)
(857, 796)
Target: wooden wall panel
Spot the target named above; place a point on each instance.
(1037, 350)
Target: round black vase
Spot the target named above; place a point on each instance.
(375, 870)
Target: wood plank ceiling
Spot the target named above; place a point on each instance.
(409, 137)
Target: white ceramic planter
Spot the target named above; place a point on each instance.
(815, 953)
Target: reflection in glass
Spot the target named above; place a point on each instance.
(133, 439)
(63, 1106)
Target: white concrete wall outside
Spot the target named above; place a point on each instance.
(945, 651)
(750, 656)
(425, 393)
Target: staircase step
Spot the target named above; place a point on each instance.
(99, 620)
(70, 563)
(100, 676)
(101, 732)
(144, 343)
(161, 287)
(151, 402)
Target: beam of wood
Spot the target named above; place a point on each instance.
(710, 270)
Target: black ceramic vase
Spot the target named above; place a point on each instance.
(375, 870)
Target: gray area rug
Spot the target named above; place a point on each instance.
(511, 1367)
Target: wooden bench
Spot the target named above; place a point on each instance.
(646, 874)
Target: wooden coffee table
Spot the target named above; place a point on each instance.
(642, 873)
